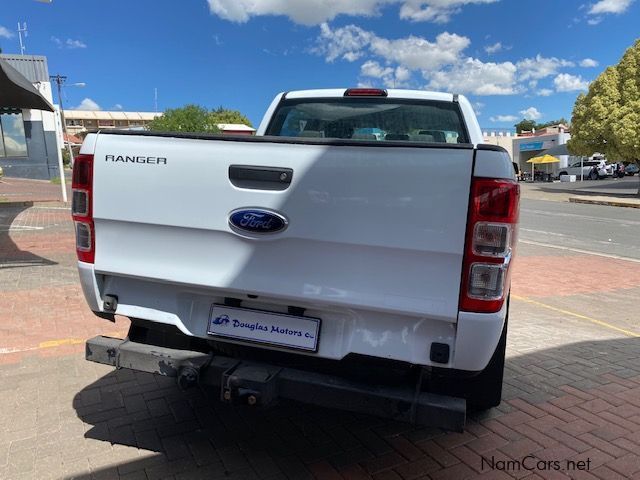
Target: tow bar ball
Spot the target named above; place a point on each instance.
(187, 377)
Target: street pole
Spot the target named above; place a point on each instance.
(59, 81)
(22, 29)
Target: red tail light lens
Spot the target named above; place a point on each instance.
(82, 207)
(365, 92)
(491, 238)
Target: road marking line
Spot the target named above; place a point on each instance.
(578, 250)
(55, 343)
(577, 315)
(564, 214)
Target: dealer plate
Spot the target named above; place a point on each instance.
(269, 328)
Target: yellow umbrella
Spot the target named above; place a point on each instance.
(543, 159)
(539, 160)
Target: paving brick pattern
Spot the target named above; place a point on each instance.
(24, 190)
(571, 404)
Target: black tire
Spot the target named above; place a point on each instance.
(563, 173)
(593, 176)
(482, 391)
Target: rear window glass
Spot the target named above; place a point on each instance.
(370, 119)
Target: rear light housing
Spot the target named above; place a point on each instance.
(490, 242)
(365, 92)
(82, 208)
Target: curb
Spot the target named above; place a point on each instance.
(34, 203)
(616, 202)
(16, 204)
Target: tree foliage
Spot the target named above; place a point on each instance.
(525, 126)
(222, 115)
(190, 118)
(607, 118)
(529, 125)
(196, 119)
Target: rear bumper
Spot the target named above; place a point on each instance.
(253, 383)
(406, 338)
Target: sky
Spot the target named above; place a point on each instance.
(513, 59)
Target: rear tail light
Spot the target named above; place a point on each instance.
(82, 207)
(365, 92)
(491, 237)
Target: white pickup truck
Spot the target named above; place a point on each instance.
(355, 254)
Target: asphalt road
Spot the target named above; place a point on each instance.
(609, 186)
(598, 229)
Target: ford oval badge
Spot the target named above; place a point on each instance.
(257, 220)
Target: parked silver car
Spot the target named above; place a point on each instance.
(604, 170)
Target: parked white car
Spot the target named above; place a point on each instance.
(604, 170)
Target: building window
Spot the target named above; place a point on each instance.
(13, 142)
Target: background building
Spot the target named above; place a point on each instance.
(529, 145)
(503, 139)
(83, 121)
(236, 129)
(29, 140)
(80, 122)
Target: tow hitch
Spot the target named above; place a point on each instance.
(260, 384)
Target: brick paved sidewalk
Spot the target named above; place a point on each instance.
(571, 394)
(25, 190)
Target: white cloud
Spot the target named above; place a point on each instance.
(540, 67)
(414, 53)
(495, 48)
(68, 43)
(87, 104)
(373, 69)
(476, 77)
(390, 77)
(402, 74)
(477, 108)
(315, 12)
(118, 106)
(610, 6)
(570, 83)
(440, 61)
(307, 12)
(594, 20)
(503, 118)
(347, 42)
(589, 63)
(531, 113)
(418, 53)
(437, 11)
(5, 32)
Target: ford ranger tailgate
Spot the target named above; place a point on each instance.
(379, 226)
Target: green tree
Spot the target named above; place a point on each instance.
(190, 118)
(561, 120)
(607, 118)
(223, 115)
(525, 125)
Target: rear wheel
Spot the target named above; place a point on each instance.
(563, 173)
(593, 176)
(482, 391)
